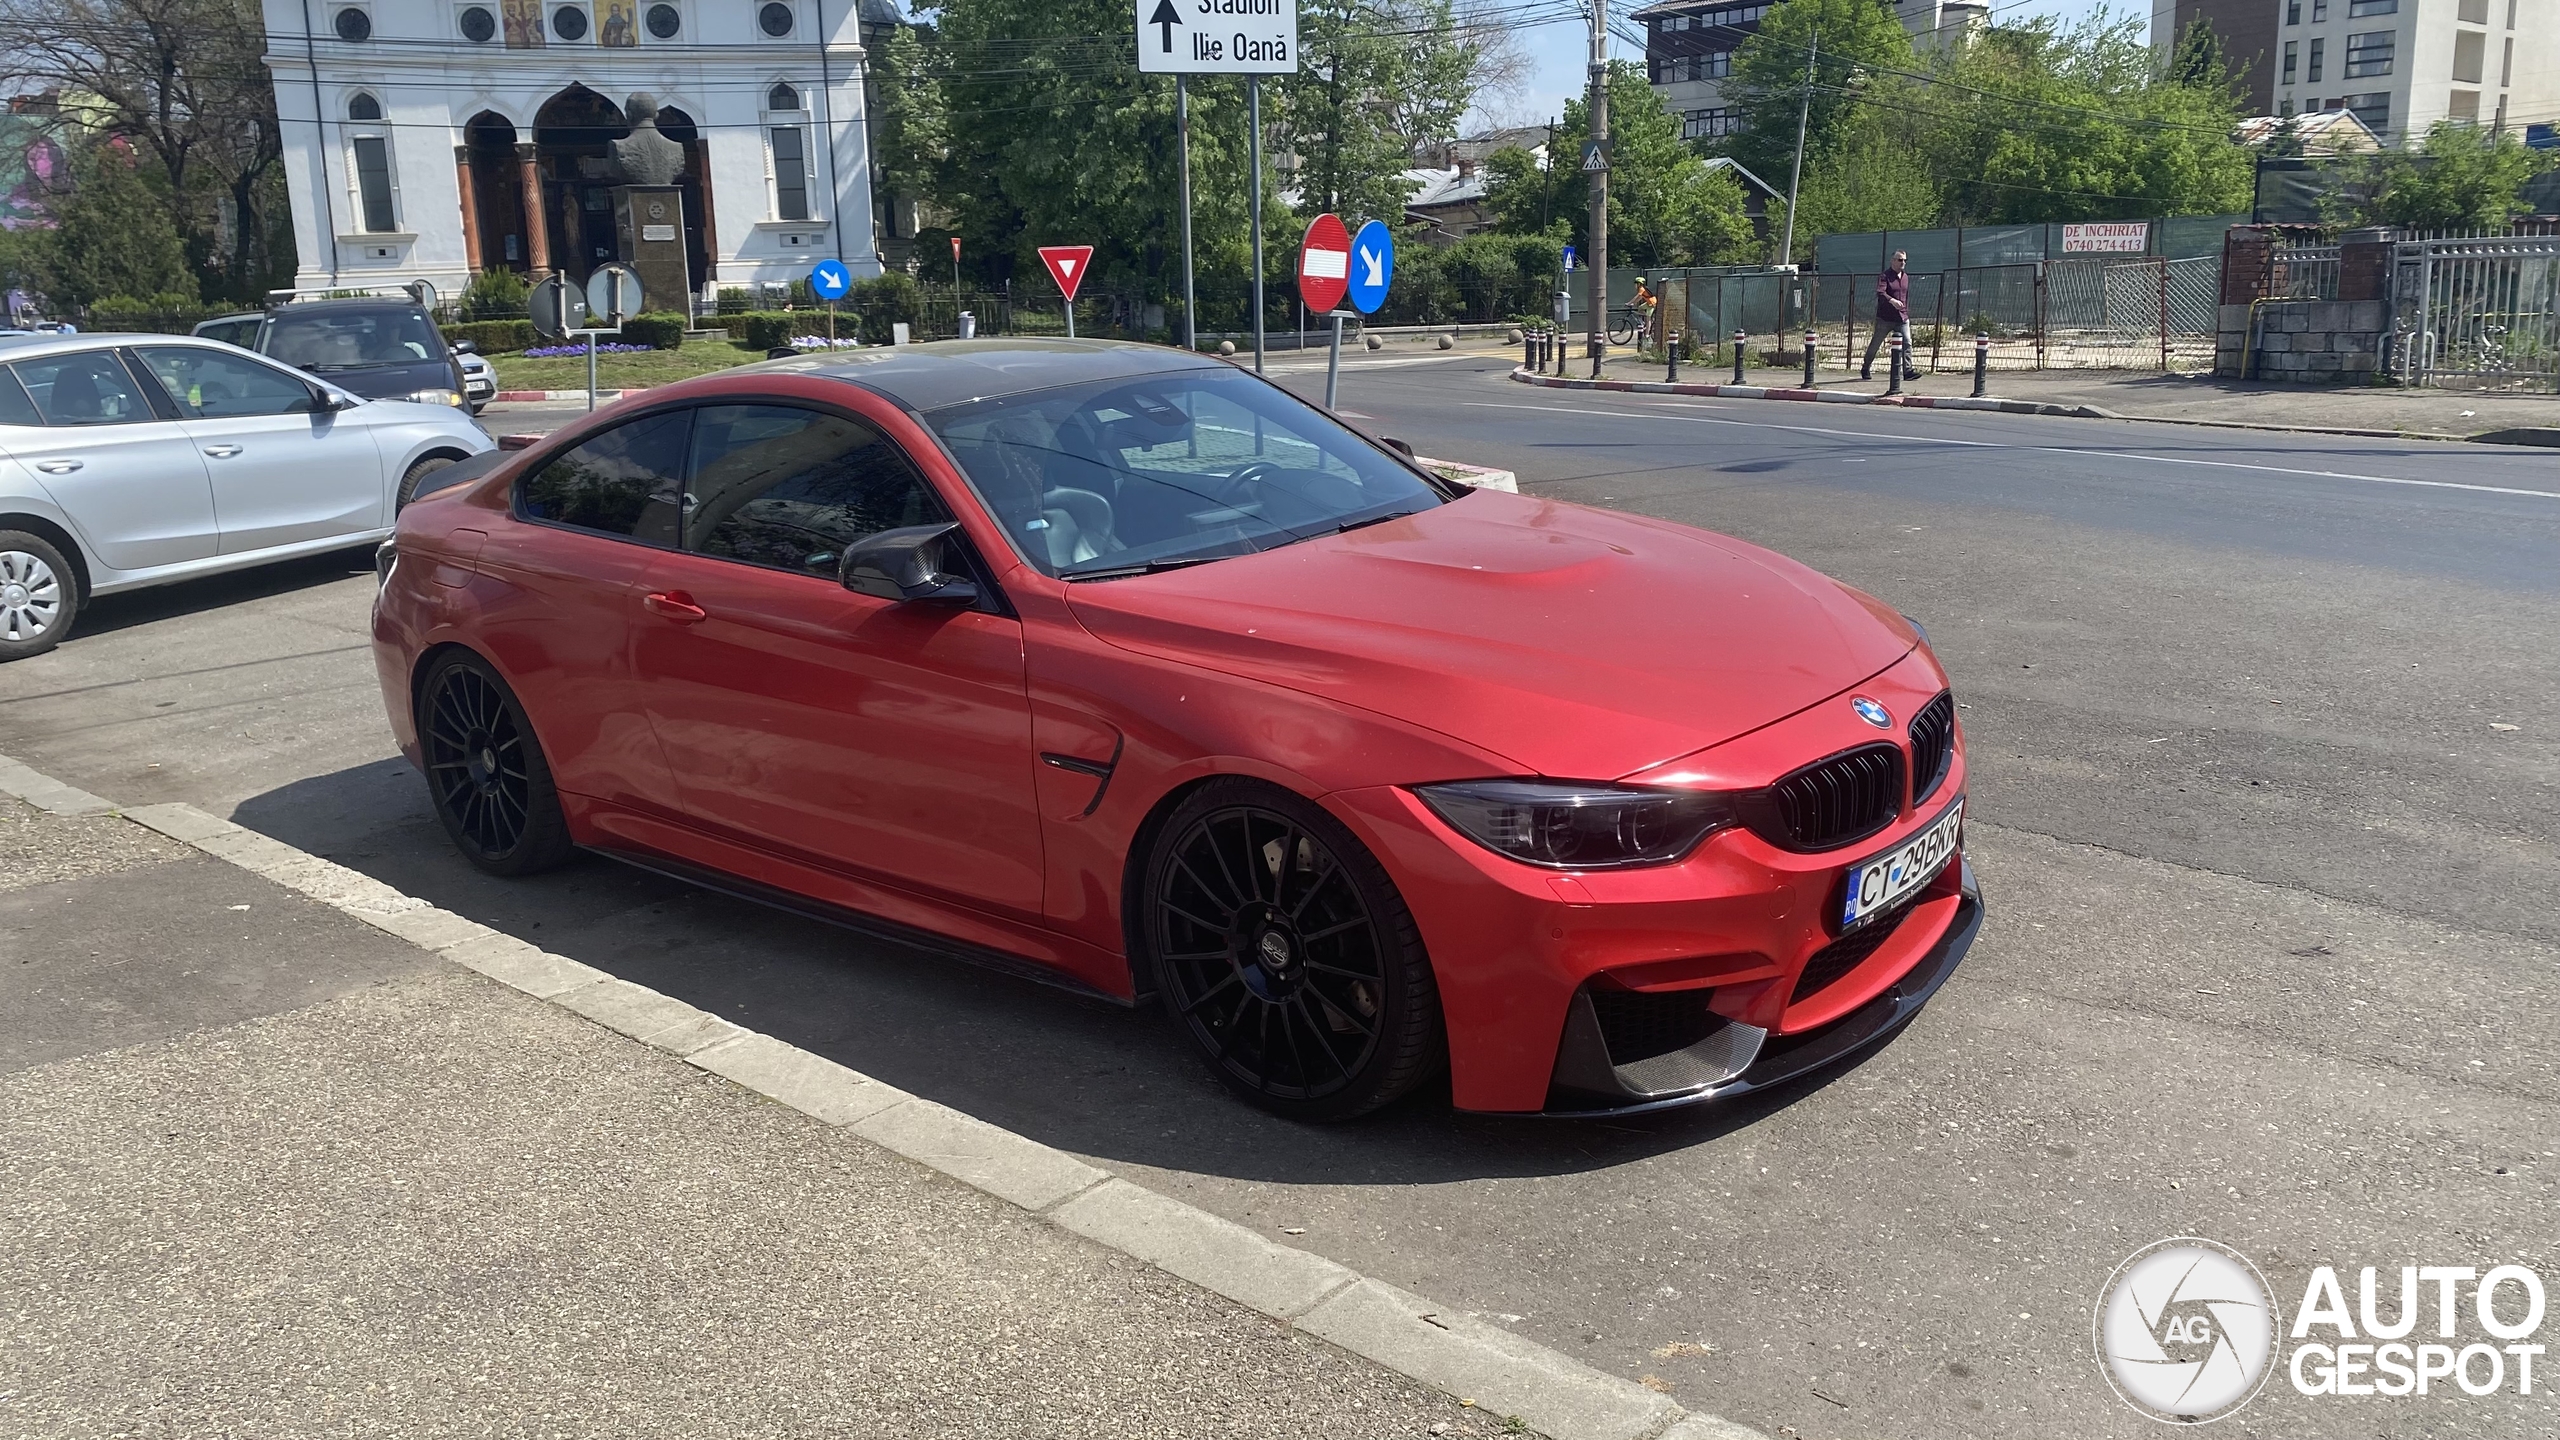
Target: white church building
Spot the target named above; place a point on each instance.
(435, 139)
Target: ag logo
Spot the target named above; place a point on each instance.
(2185, 1330)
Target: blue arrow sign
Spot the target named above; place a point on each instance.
(830, 279)
(1373, 263)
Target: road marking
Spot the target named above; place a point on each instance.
(2030, 449)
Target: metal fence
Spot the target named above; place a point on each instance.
(2095, 312)
(2479, 312)
(2301, 272)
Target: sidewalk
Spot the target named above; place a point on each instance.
(269, 1170)
(2149, 395)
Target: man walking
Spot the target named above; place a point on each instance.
(1893, 312)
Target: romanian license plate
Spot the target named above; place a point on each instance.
(1878, 884)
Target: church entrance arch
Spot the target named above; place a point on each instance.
(573, 135)
(497, 193)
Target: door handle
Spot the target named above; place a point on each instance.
(59, 467)
(675, 605)
(222, 452)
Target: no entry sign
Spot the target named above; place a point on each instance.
(1067, 264)
(1324, 264)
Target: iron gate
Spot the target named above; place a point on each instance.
(2482, 312)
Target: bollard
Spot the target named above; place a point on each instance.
(1739, 336)
(1808, 357)
(1981, 366)
(1893, 383)
(1529, 350)
(1671, 358)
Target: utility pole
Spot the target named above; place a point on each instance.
(1795, 177)
(1253, 121)
(1598, 340)
(1182, 127)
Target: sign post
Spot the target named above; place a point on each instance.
(560, 313)
(829, 280)
(1324, 275)
(1373, 264)
(1262, 42)
(1067, 264)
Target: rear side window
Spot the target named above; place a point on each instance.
(790, 488)
(15, 407)
(87, 387)
(626, 482)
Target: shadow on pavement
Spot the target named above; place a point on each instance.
(109, 613)
(1069, 1071)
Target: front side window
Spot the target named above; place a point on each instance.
(209, 385)
(373, 183)
(90, 387)
(2370, 54)
(1122, 475)
(787, 488)
(353, 339)
(790, 174)
(625, 482)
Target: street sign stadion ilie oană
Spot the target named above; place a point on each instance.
(1217, 37)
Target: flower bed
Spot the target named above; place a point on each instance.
(551, 352)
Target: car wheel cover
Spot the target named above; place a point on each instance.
(476, 761)
(30, 596)
(1270, 952)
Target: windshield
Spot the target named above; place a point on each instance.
(1121, 476)
(353, 339)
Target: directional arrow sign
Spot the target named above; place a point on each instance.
(1324, 264)
(1219, 37)
(1373, 261)
(1067, 264)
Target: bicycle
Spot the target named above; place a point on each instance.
(1630, 325)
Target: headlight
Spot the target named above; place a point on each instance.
(433, 397)
(1566, 826)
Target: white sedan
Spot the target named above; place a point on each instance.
(134, 460)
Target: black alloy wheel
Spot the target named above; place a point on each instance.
(1283, 951)
(486, 772)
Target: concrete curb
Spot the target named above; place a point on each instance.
(1967, 402)
(1482, 1364)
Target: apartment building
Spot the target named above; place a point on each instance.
(1690, 44)
(2247, 30)
(2403, 65)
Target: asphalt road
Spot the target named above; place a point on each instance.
(2269, 956)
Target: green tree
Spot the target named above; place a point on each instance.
(1861, 42)
(1057, 139)
(1869, 178)
(1665, 206)
(1377, 81)
(2199, 61)
(2461, 177)
(115, 233)
(2035, 123)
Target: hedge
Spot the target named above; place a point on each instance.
(168, 314)
(490, 337)
(657, 329)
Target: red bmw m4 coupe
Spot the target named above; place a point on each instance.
(1127, 668)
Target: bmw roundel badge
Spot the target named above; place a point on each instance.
(1873, 713)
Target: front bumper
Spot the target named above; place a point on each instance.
(1736, 1059)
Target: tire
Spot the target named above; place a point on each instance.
(486, 774)
(409, 483)
(1282, 950)
(39, 595)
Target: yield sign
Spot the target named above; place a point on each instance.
(1067, 264)
(1324, 264)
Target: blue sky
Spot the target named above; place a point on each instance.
(1559, 54)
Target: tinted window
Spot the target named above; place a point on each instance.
(209, 385)
(622, 482)
(350, 339)
(229, 332)
(15, 407)
(791, 488)
(87, 388)
(1191, 465)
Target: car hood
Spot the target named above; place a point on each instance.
(1578, 643)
